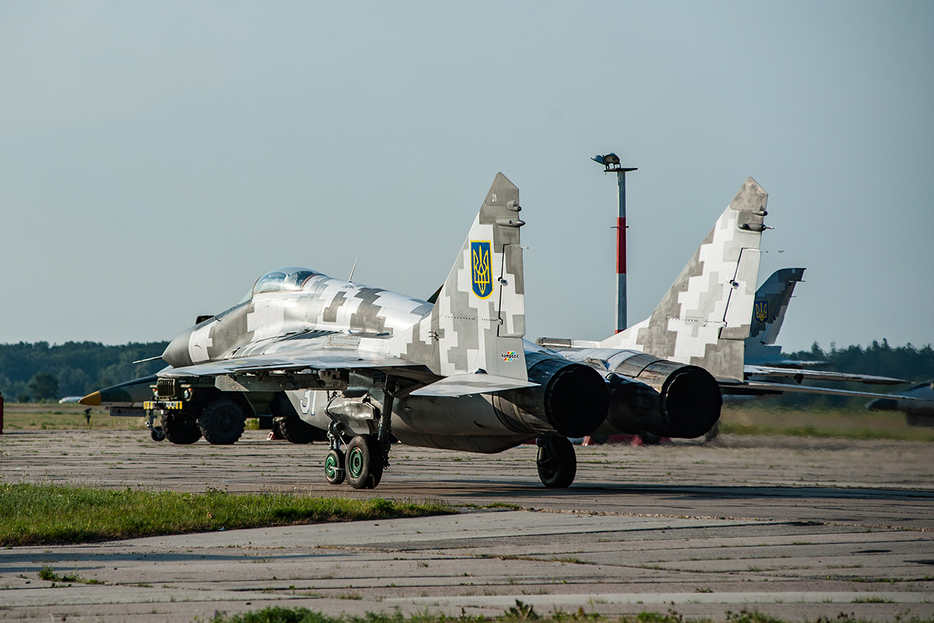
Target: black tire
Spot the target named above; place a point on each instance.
(334, 467)
(364, 462)
(296, 430)
(179, 429)
(557, 463)
(156, 433)
(222, 422)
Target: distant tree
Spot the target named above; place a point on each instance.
(44, 386)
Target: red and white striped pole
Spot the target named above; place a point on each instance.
(611, 163)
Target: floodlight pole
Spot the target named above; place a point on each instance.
(611, 165)
(621, 321)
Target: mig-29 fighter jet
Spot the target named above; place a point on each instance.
(454, 372)
(366, 364)
(704, 321)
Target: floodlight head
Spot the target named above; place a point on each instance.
(610, 158)
(598, 159)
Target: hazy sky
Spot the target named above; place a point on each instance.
(157, 157)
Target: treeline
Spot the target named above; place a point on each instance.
(902, 362)
(35, 372)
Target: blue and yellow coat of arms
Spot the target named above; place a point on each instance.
(761, 311)
(481, 268)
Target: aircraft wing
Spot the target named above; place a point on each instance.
(294, 358)
(316, 360)
(800, 374)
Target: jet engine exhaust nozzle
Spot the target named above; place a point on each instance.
(571, 400)
(663, 398)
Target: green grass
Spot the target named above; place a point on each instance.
(518, 613)
(55, 416)
(49, 574)
(43, 514)
(754, 419)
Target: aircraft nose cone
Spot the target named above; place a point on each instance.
(176, 353)
(91, 400)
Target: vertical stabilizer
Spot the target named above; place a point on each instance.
(705, 317)
(772, 300)
(478, 321)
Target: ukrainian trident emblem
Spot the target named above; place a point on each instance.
(761, 311)
(481, 269)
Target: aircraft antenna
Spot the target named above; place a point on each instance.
(157, 357)
(350, 278)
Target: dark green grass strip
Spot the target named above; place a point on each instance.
(45, 514)
(522, 612)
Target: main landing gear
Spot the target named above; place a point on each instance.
(362, 465)
(557, 463)
(366, 456)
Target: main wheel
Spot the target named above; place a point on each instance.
(334, 467)
(296, 430)
(557, 463)
(364, 462)
(180, 429)
(222, 422)
(156, 433)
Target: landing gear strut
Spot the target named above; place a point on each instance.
(367, 455)
(557, 463)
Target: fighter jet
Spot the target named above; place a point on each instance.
(694, 340)
(704, 322)
(369, 365)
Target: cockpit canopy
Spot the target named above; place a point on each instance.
(288, 279)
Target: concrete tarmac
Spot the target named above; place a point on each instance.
(793, 527)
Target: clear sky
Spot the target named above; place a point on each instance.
(157, 157)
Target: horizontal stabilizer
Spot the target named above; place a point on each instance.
(466, 384)
(760, 387)
(800, 374)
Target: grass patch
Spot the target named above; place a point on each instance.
(54, 416)
(820, 423)
(515, 614)
(49, 574)
(44, 514)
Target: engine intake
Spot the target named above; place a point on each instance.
(571, 399)
(665, 398)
